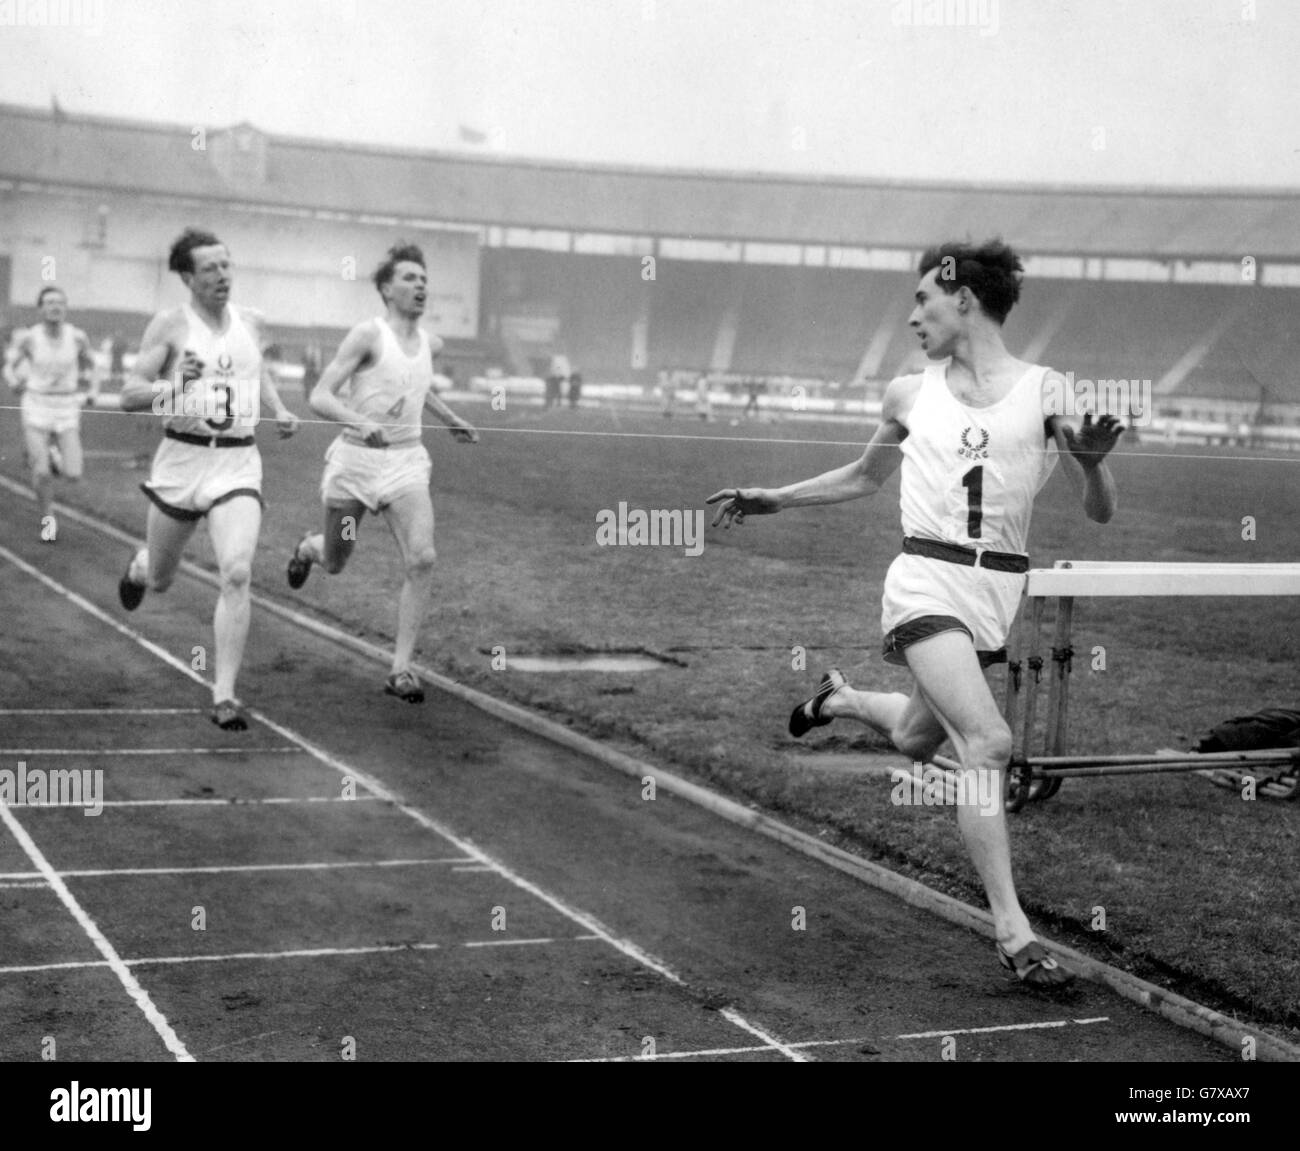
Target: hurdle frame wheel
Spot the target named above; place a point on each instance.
(1036, 777)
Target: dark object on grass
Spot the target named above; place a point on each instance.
(1272, 727)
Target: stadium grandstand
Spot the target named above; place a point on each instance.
(629, 271)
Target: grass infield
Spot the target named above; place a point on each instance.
(1198, 887)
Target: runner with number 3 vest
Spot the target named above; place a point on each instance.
(200, 367)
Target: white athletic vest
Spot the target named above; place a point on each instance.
(970, 475)
(226, 401)
(53, 376)
(391, 391)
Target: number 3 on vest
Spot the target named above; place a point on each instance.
(221, 399)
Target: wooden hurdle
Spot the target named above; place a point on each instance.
(1038, 777)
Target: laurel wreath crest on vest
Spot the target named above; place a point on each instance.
(970, 450)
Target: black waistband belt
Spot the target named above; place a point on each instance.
(397, 447)
(210, 441)
(969, 557)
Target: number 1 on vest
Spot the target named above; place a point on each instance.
(973, 482)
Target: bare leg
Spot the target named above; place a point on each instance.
(165, 540)
(877, 709)
(410, 516)
(233, 527)
(38, 457)
(333, 547)
(73, 457)
(952, 685)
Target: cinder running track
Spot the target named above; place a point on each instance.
(426, 882)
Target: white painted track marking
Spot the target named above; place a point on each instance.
(226, 869)
(872, 1039)
(1001, 1027)
(130, 633)
(36, 752)
(523, 942)
(300, 953)
(625, 946)
(594, 926)
(137, 993)
(101, 711)
(269, 801)
(215, 803)
(1182, 1012)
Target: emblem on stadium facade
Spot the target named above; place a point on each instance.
(971, 451)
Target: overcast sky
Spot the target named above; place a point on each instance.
(1131, 92)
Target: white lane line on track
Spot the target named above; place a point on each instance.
(375, 787)
(101, 711)
(582, 918)
(137, 993)
(804, 1043)
(239, 1042)
(1182, 1012)
(660, 1056)
(527, 942)
(70, 965)
(221, 869)
(737, 1020)
(1003, 1027)
(98, 613)
(40, 751)
(300, 953)
(268, 801)
(225, 869)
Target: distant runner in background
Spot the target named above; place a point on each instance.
(51, 367)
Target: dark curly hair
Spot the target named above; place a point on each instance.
(397, 254)
(181, 257)
(992, 271)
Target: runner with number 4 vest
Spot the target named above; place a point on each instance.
(377, 386)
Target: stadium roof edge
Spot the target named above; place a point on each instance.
(49, 149)
(751, 176)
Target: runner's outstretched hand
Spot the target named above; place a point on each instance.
(737, 503)
(1091, 442)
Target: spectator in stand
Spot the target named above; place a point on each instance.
(559, 374)
(311, 366)
(116, 367)
(667, 393)
(703, 405)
